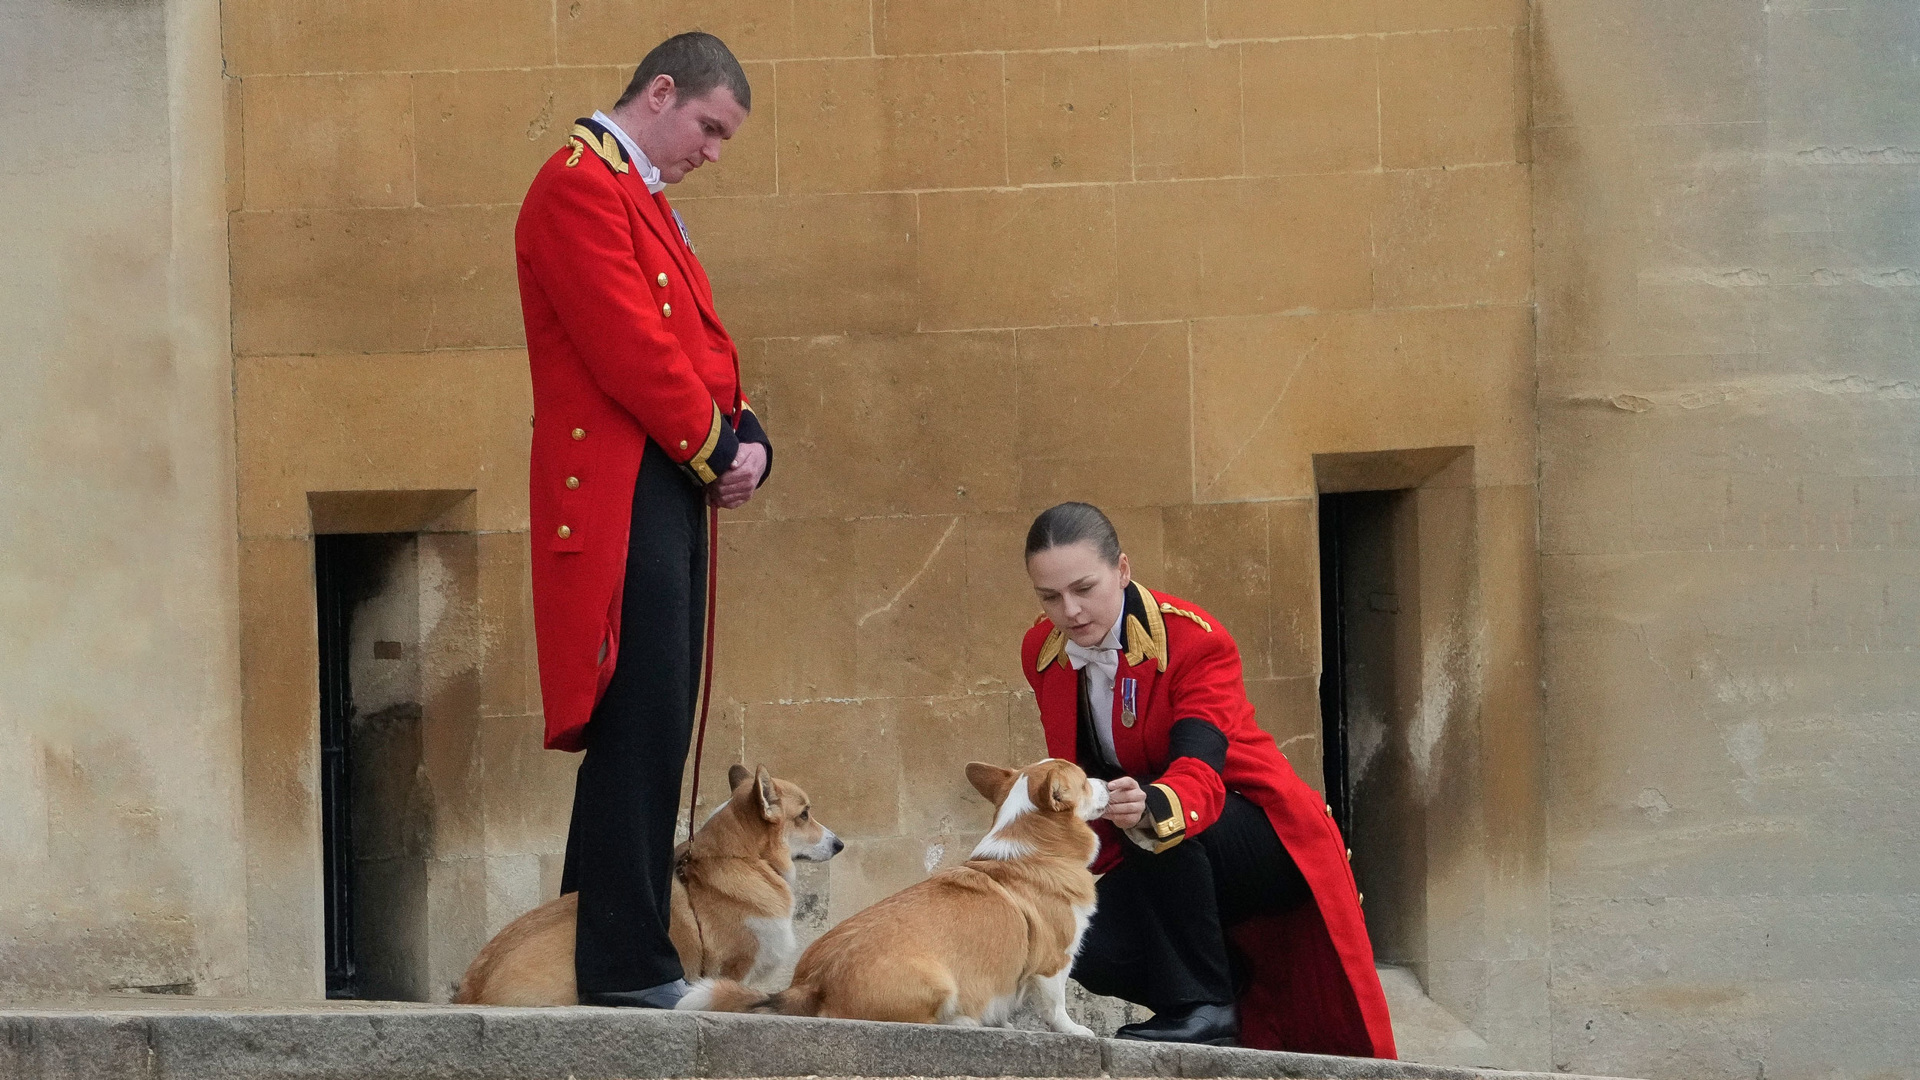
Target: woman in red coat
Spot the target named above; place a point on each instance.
(1226, 905)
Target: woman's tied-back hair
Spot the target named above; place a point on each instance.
(1074, 523)
(698, 63)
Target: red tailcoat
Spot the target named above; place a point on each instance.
(1314, 986)
(624, 347)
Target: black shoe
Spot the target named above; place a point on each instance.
(1208, 1025)
(664, 996)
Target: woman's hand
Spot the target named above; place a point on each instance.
(1126, 803)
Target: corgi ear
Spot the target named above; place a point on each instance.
(737, 775)
(769, 798)
(1059, 795)
(991, 781)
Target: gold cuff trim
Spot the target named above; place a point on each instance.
(1144, 839)
(608, 148)
(1054, 648)
(698, 463)
(1175, 822)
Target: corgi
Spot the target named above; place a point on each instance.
(732, 914)
(969, 944)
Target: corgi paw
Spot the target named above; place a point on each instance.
(698, 999)
(1071, 1028)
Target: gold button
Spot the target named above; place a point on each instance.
(1329, 809)
(579, 433)
(1360, 897)
(683, 444)
(1349, 854)
(1194, 814)
(667, 310)
(662, 279)
(565, 532)
(572, 482)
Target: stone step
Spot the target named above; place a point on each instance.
(241, 1042)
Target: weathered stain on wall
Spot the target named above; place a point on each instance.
(1728, 236)
(120, 862)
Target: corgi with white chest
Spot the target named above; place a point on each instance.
(969, 944)
(732, 914)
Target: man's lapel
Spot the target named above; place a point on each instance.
(689, 262)
(666, 230)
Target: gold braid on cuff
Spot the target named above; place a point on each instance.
(697, 464)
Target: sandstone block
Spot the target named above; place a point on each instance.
(374, 280)
(327, 141)
(1238, 247)
(893, 424)
(936, 26)
(1454, 236)
(1132, 372)
(808, 264)
(1034, 257)
(940, 118)
(1069, 117)
(296, 37)
(1453, 98)
(483, 134)
(1186, 111)
(1311, 106)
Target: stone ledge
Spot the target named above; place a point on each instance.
(179, 1042)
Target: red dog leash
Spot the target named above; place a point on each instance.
(706, 661)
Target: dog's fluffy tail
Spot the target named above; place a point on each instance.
(726, 995)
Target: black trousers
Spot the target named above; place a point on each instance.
(1159, 933)
(626, 797)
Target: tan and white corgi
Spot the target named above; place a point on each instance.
(969, 944)
(732, 902)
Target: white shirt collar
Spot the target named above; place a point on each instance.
(642, 167)
(1104, 656)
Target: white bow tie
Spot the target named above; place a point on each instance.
(1107, 660)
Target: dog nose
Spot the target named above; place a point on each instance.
(839, 845)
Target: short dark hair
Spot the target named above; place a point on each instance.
(1074, 523)
(697, 63)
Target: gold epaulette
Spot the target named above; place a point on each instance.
(1171, 610)
(1054, 648)
(607, 148)
(1148, 641)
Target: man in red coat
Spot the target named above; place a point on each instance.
(1226, 904)
(639, 426)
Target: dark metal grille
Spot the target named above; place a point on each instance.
(336, 588)
(1333, 661)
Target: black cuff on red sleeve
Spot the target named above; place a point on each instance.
(724, 452)
(750, 430)
(1160, 807)
(1195, 738)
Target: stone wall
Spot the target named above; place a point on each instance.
(980, 257)
(1728, 237)
(1195, 260)
(120, 865)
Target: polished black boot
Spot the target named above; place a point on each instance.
(664, 996)
(1208, 1025)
